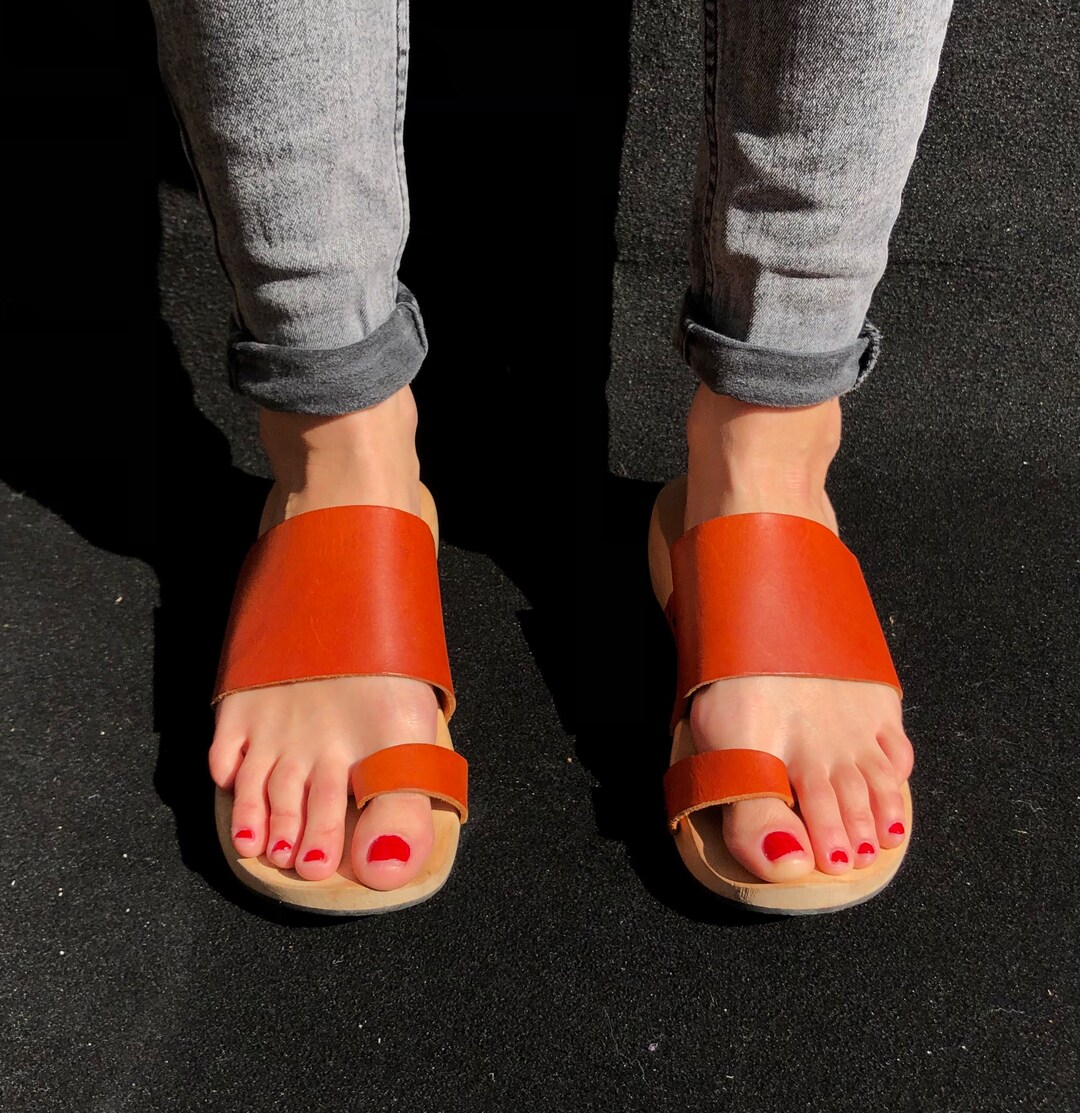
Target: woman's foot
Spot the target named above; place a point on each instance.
(843, 742)
(287, 751)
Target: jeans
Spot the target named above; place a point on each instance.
(812, 113)
(291, 113)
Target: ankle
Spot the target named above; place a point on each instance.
(762, 444)
(302, 448)
(745, 458)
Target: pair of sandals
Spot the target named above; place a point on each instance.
(354, 591)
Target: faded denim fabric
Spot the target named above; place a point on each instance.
(812, 113)
(292, 114)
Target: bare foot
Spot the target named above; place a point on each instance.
(287, 751)
(842, 741)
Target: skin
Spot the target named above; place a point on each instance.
(843, 741)
(286, 751)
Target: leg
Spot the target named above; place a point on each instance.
(291, 114)
(813, 110)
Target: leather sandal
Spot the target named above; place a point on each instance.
(759, 595)
(349, 591)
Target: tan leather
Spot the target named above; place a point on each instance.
(771, 595)
(343, 591)
(432, 770)
(723, 777)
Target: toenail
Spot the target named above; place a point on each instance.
(778, 843)
(281, 845)
(838, 856)
(896, 829)
(866, 848)
(244, 833)
(315, 856)
(386, 847)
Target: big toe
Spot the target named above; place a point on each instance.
(768, 838)
(393, 839)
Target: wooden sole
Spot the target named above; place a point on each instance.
(342, 894)
(700, 839)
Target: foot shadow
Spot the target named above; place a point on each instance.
(182, 487)
(496, 230)
(133, 466)
(626, 658)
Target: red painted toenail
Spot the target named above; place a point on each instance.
(866, 848)
(244, 833)
(280, 845)
(838, 856)
(386, 847)
(896, 829)
(778, 843)
(315, 856)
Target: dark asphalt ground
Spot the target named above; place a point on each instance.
(570, 963)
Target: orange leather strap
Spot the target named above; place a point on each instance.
(433, 770)
(723, 777)
(771, 595)
(344, 591)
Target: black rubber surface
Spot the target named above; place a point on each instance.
(570, 963)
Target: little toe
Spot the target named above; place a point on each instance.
(249, 812)
(225, 757)
(897, 747)
(854, 800)
(393, 839)
(286, 788)
(322, 842)
(886, 801)
(768, 838)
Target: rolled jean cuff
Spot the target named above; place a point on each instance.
(768, 376)
(332, 380)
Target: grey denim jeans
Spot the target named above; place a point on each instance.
(291, 112)
(812, 111)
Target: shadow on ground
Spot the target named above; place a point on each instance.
(513, 212)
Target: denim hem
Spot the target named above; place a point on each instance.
(768, 376)
(333, 380)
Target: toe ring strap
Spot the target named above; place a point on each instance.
(723, 777)
(436, 771)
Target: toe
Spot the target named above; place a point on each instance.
(249, 813)
(286, 790)
(226, 756)
(320, 847)
(897, 747)
(886, 801)
(393, 839)
(854, 800)
(820, 811)
(768, 839)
